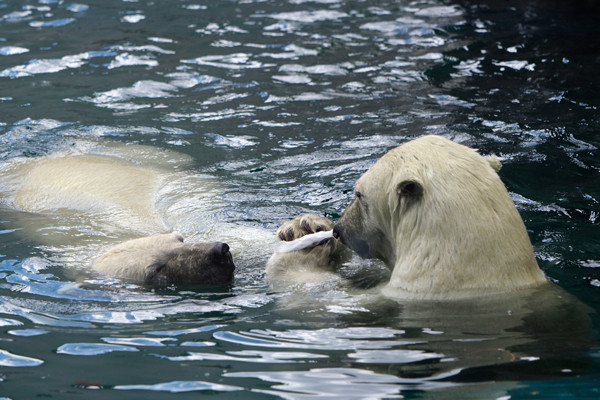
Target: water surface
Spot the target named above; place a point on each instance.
(266, 110)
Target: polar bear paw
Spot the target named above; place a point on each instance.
(313, 264)
(303, 225)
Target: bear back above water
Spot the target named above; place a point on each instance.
(438, 215)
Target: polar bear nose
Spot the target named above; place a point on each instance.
(220, 249)
(336, 232)
(220, 253)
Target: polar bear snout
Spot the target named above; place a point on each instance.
(218, 266)
(193, 263)
(221, 255)
(351, 239)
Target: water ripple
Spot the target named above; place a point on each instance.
(325, 339)
(181, 387)
(53, 23)
(48, 66)
(279, 106)
(91, 349)
(348, 383)
(260, 357)
(235, 61)
(309, 16)
(8, 359)
(12, 50)
(139, 341)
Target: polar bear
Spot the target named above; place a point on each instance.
(91, 199)
(438, 215)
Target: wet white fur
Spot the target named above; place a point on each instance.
(462, 237)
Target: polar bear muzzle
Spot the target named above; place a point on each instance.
(348, 228)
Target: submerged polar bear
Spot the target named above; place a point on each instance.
(437, 214)
(116, 196)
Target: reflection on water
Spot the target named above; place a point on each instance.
(255, 112)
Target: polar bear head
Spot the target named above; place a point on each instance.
(203, 263)
(437, 213)
(165, 259)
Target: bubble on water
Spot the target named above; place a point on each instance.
(188, 80)
(440, 11)
(291, 51)
(120, 97)
(321, 69)
(16, 16)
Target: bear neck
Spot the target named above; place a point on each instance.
(467, 248)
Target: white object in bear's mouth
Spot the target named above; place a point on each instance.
(306, 241)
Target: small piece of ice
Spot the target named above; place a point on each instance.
(306, 241)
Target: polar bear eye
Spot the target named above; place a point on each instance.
(358, 195)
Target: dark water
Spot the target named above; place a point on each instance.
(283, 105)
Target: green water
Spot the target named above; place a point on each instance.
(281, 106)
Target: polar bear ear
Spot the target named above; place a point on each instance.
(494, 162)
(409, 188)
(405, 193)
(153, 273)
